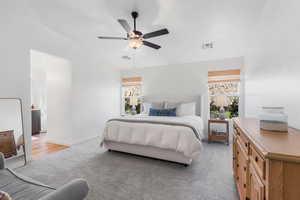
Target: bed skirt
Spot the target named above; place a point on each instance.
(149, 151)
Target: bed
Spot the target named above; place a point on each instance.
(176, 139)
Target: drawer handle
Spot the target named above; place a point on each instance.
(245, 168)
(246, 144)
(244, 185)
(237, 178)
(237, 152)
(256, 159)
(237, 165)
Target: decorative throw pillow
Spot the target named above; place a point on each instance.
(186, 109)
(168, 112)
(154, 112)
(163, 112)
(4, 196)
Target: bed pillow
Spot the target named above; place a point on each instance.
(4, 196)
(163, 112)
(169, 105)
(187, 109)
(148, 105)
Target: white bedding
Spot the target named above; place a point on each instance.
(170, 135)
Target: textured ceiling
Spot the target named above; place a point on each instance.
(192, 22)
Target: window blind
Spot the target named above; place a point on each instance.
(132, 81)
(224, 76)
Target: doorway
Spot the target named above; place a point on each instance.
(49, 74)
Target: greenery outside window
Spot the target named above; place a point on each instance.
(131, 95)
(224, 85)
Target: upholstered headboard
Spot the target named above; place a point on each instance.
(196, 99)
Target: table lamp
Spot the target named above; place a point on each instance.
(133, 102)
(221, 101)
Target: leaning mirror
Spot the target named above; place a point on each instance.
(11, 131)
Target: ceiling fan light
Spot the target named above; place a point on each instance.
(135, 43)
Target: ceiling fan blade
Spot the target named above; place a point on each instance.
(156, 33)
(112, 38)
(125, 25)
(152, 45)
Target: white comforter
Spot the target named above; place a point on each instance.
(175, 137)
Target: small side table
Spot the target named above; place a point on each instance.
(218, 136)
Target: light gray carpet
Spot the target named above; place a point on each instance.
(118, 176)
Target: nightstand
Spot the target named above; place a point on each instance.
(218, 135)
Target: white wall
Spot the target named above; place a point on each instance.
(182, 80)
(94, 99)
(21, 32)
(59, 90)
(14, 62)
(52, 89)
(39, 84)
(95, 96)
(272, 60)
(79, 99)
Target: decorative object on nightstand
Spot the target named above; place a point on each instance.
(214, 135)
(221, 101)
(133, 102)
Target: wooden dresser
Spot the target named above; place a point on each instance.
(266, 164)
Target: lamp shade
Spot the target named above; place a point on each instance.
(221, 101)
(133, 101)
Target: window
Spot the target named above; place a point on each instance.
(223, 87)
(131, 95)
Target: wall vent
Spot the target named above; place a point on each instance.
(126, 57)
(208, 45)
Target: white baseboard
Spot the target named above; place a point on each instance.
(72, 142)
(55, 141)
(86, 139)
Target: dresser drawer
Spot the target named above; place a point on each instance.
(256, 186)
(236, 130)
(257, 161)
(242, 170)
(242, 159)
(244, 142)
(243, 139)
(234, 156)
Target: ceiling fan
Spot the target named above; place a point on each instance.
(136, 38)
